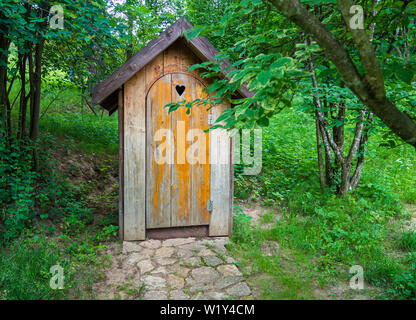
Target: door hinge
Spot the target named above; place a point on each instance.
(210, 119)
(209, 205)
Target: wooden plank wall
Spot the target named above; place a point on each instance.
(220, 178)
(121, 163)
(135, 159)
(176, 58)
(158, 176)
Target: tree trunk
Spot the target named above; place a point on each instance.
(320, 158)
(35, 104)
(23, 98)
(4, 97)
(368, 88)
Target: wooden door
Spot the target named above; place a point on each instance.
(177, 155)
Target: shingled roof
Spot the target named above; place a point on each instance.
(105, 93)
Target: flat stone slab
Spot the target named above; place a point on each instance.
(131, 247)
(153, 282)
(205, 274)
(192, 261)
(229, 270)
(175, 269)
(175, 282)
(134, 258)
(151, 244)
(155, 295)
(212, 261)
(206, 252)
(226, 282)
(164, 252)
(177, 242)
(145, 266)
(239, 290)
(178, 295)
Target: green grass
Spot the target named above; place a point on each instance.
(24, 270)
(318, 236)
(91, 134)
(407, 241)
(64, 114)
(330, 232)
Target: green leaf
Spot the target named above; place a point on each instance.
(195, 32)
(264, 77)
(405, 75)
(280, 62)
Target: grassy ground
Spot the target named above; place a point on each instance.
(71, 210)
(301, 245)
(311, 239)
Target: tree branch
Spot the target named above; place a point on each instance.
(371, 94)
(374, 75)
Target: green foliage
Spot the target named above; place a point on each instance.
(17, 190)
(404, 284)
(24, 269)
(407, 241)
(27, 196)
(338, 232)
(92, 134)
(242, 227)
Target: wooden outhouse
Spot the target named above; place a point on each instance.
(172, 198)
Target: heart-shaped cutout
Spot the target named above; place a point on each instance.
(180, 89)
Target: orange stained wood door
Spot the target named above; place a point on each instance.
(177, 157)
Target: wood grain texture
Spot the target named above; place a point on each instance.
(177, 194)
(199, 156)
(231, 213)
(154, 70)
(181, 171)
(179, 232)
(134, 155)
(121, 164)
(172, 196)
(159, 150)
(137, 62)
(220, 178)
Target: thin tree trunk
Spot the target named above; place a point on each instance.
(4, 98)
(320, 158)
(23, 99)
(35, 110)
(318, 130)
(360, 161)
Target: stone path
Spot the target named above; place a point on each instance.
(177, 269)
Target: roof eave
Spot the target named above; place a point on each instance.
(200, 46)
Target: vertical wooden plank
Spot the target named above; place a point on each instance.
(181, 171)
(188, 59)
(231, 213)
(154, 70)
(121, 163)
(159, 146)
(200, 191)
(134, 155)
(220, 178)
(173, 58)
